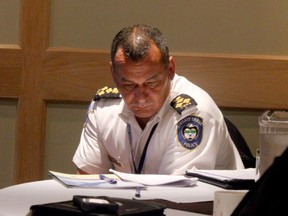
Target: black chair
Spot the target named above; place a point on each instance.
(247, 157)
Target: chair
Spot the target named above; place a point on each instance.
(247, 157)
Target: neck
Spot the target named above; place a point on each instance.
(142, 122)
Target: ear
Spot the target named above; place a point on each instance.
(171, 67)
(112, 71)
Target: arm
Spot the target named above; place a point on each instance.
(79, 171)
(214, 150)
(91, 156)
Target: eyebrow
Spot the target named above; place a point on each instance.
(126, 80)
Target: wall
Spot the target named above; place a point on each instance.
(7, 134)
(199, 27)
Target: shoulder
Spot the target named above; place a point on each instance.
(181, 84)
(107, 92)
(105, 97)
(205, 102)
(182, 102)
(104, 105)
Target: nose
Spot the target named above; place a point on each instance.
(141, 94)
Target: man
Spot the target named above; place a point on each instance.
(158, 122)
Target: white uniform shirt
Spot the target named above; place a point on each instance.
(111, 137)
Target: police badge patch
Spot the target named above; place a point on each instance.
(189, 131)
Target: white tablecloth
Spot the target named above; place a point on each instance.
(16, 200)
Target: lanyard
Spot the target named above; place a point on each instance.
(142, 159)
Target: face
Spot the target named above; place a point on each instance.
(144, 85)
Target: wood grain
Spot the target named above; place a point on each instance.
(31, 116)
(10, 71)
(248, 82)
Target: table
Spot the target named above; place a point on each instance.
(16, 200)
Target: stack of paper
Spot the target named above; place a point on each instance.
(122, 180)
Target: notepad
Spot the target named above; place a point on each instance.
(228, 179)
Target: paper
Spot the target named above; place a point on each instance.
(124, 180)
(156, 179)
(91, 181)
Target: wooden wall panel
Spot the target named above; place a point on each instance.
(74, 75)
(71, 75)
(35, 75)
(248, 82)
(31, 109)
(10, 71)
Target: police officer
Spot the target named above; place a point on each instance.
(154, 121)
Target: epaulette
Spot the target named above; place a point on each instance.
(182, 102)
(108, 93)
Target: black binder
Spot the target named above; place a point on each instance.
(126, 207)
(226, 182)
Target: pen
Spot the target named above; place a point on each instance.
(107, 179)
(137, 193)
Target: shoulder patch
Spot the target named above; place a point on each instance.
(182, 102)
(108, 93)
(190, 131)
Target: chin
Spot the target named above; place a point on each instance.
(143, 114)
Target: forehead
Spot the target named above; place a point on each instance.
(153, 57)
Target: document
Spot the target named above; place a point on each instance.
(121, 180)
(156, 179)
(93, 181)
(228, 179)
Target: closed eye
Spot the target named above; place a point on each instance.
(129, 87)
(151, 84)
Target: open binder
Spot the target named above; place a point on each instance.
(242, 179)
